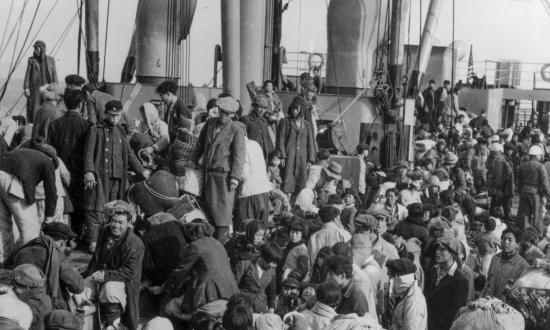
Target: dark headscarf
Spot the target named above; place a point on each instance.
(42, 60)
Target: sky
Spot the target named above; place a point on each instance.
(497, 29)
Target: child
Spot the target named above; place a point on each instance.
(273, 170)
(348, 213)
(289, 300)
(528, 246)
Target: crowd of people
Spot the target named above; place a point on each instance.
(228, 221)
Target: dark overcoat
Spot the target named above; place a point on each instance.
(96, 160)
(257, 129)
(121, 263)
(444, 300)
(223, 156)
(208, 265)
(297, 147)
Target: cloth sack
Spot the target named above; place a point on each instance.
(488, 314)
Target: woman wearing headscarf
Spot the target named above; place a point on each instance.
(154, 127)
(296, 147)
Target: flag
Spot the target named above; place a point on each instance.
(470, 66)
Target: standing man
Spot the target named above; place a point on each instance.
(446, 286)
(221, 145)
(410, 305)
(94, 103)
(442, 100)
(501, 182)
(532, 183)
(68, 136)
(176, 111)
(429, 104)
(505, 266)
(40, 71)
(257, 128)
(107, 155)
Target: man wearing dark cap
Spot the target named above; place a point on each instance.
(40, 71)
(74, 82)
(446, 286)
(49, 253)
(222, 147)
(176, 111)
(329, 234)
(107, 156)
(410, 305)
(257, 128)
(500, 182)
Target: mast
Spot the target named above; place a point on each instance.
(399, 23)
(231, 49)
(426, 44)
(92, 40)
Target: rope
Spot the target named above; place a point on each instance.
(7, 24)
(419, 41)
(106, 37)
(15, 28)
(452, 78)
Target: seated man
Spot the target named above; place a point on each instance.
(48, 253)
(116, 267)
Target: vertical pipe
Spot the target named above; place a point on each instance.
(399, 23)
(252, 47)
(432, 17)
(231, 51)
(92, 40)
(79, 48)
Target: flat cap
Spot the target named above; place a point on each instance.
(366, 221)
(227, 104)
(402, 266)
(291, 283)
(261, 101)
(59, 229)
(451, 244)
(62, 320)
(74, 79)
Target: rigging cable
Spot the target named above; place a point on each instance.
(6, 27)
(24, 49)
(106, 37)
(14, 29)
(452, 78)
